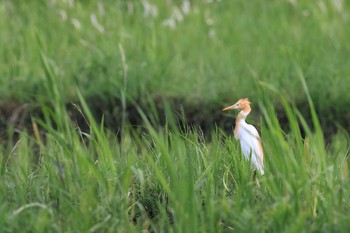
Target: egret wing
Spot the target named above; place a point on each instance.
(251, 146)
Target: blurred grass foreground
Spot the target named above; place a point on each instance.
(104, 104)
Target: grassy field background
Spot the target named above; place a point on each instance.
(213, 53)
(153, 61)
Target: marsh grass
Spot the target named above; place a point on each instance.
(170, 178)
(218, 49)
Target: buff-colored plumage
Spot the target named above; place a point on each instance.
(248, 135)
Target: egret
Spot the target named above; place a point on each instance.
(248, 135)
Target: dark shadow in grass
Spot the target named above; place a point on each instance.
(16, 117)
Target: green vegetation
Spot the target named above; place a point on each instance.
(167, 180)
(58, 176)
(217, 49)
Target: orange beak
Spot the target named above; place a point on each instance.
(229, 108)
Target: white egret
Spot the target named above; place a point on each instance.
(248, 135)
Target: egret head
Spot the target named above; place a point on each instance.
(242, 104)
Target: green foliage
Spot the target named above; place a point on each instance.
(171, 180)
(216, 48)
(151, 178)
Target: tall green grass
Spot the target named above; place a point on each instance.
(62, 178)
(215, 52)
(170, 180)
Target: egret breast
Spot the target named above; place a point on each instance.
(250, 145)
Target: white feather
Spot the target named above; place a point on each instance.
(250, 144)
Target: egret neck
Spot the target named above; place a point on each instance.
(242, 115)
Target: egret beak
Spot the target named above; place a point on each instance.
(229, 108)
